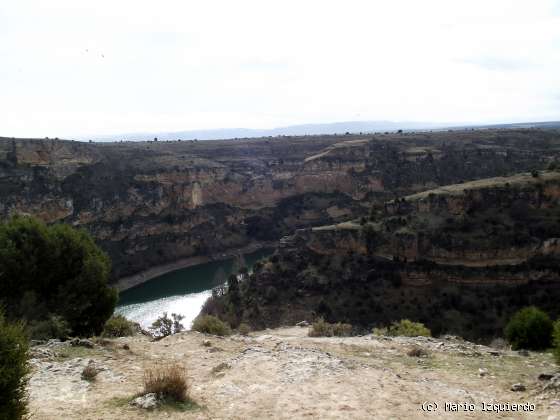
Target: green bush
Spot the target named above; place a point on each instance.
(244, 329)
(530, 328)
(210, 324)
(14, 370)
(404, 328)
(58, 266)
(118, 326)
(321, 328)
(52, 327)
(165, 326)
(556, 341)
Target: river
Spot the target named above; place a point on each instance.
(182, 292)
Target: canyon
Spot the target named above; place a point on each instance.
(149, 204)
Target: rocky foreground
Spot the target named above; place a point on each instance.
(282, 373)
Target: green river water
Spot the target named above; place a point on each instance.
(183, 291)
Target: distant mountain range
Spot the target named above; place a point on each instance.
(305, 129)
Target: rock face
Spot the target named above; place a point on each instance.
(462, 272)
(149, 203)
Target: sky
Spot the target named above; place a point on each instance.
(74, 68)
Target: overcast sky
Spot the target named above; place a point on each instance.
(78, 67)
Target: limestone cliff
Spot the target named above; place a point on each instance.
(460, 258)
(149, 203)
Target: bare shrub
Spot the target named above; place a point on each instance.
(89, 373)
(168, 381)
(417, 351)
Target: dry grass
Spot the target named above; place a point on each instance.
(168, 381)
(89, 373)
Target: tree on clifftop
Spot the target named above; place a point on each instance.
(58, 268)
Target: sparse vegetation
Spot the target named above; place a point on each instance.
(210, 324)
(530, 328)
(118, 326)
(417, 351)
(165, 326)
(168, 381)
(321, 328)
(14, 370)
(89, 373)
(404, 328)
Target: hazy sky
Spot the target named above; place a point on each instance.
(77, 67)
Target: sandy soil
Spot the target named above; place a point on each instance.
(283, 374)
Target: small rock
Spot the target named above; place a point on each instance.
(518, 387)
(147, 401)
(302, 324)
(545, 376)
(221, 367)
(482, 372)
(126, 347)
(81, 342)
(206, 343)
(554, 383)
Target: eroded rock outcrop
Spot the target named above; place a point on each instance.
(149, 203)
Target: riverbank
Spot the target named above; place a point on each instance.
(143, 276)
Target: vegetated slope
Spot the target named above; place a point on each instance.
(150, 203)
(283, 374)
(460, 259)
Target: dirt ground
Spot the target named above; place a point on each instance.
(283, 374)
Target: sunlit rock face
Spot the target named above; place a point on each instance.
(148, 203)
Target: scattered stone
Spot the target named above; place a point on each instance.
(482, 372)
(206, 343)
(147, 401)
(82, 342)
(554, 383)
(126, 347)
(518, 388)
(545, 376)
(221, 367)
(302, 324)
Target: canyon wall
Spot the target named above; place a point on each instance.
(150, 203)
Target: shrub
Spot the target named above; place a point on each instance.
(14, 370)
(417, 351)
(60, 267)
(165, 326)
(89, 373)
(244, 329)
(118, 326)
(404, 328)
(556, 341)
(53, 327)
(530, 328)
(210, 324)
(169, 382)
(321, 328)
